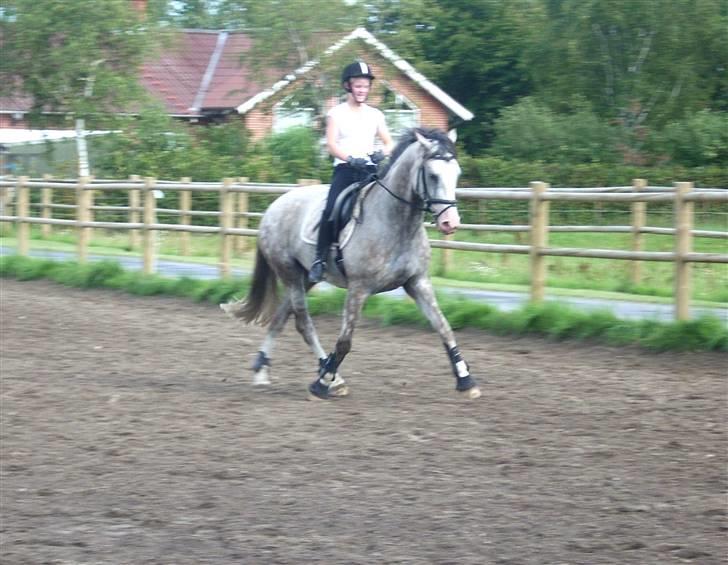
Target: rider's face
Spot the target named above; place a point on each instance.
(360, 88)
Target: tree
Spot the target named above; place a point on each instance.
(473, 49)
(73, 60)
(282, 27)
(636, 61)
(194, 14)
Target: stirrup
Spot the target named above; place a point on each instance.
(316, 274)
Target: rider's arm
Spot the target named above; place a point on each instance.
(331, 135)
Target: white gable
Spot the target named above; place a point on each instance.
(361, 33)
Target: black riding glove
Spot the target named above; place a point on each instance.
(357, 163)
(377, 157)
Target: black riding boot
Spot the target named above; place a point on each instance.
(316, 274)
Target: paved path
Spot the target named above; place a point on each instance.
(503, 300)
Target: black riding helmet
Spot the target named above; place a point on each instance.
(356, 70)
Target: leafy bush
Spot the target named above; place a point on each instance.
(286, 157)
(295, 154)
(700, 140)
(151, 145)
(529, 131)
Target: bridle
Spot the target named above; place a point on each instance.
(422, 181)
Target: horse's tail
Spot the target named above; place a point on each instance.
(260, 304)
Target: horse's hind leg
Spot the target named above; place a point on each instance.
(420, 289)
(261, 365)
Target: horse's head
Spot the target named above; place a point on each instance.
(437, 179)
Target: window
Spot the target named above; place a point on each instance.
(399, 120)
(287, 118)
(399, 112)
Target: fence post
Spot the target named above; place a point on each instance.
(91, 215)
(226, 222)
(539, 239)
(22, 210)
(639, 218)
(185, 204)
(83, 214)
(150, 217)
(7, 196)
(683, 246)
(134, 203)
(241, 242)
(46, 199)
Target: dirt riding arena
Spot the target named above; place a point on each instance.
(131, 434)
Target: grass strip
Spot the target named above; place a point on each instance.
(551, 320)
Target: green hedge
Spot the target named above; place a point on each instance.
(499, 172)
(551, 320)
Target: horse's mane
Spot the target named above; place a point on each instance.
(408, 137)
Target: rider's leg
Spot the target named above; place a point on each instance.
(343, 176)
(316, 274)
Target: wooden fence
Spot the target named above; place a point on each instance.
(233, 216)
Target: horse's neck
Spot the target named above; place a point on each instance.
(398, 181)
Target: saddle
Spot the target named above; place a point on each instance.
(346, 208)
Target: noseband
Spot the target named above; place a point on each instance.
(422, 180)
(426, 191)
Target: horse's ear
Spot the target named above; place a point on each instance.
(426, 143)
(453, 135)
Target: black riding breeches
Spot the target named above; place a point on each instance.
(344, 175)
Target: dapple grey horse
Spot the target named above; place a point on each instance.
(387, 248)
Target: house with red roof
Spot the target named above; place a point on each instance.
(205, 76)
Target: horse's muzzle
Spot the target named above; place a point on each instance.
(448, 221)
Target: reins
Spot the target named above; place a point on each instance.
(397, 196)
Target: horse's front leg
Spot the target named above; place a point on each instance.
(304, 325)
(322, 387)
(421, 290)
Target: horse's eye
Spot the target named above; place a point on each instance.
(433, 177)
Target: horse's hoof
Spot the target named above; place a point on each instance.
(261, 378)
(338, 387)
(468, 387)
(472, 393)
(318, 391)
(339, 391)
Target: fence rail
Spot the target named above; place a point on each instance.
(233, 216)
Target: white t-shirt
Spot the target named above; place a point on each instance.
(356, 130)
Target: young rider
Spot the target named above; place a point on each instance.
(351, 129)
